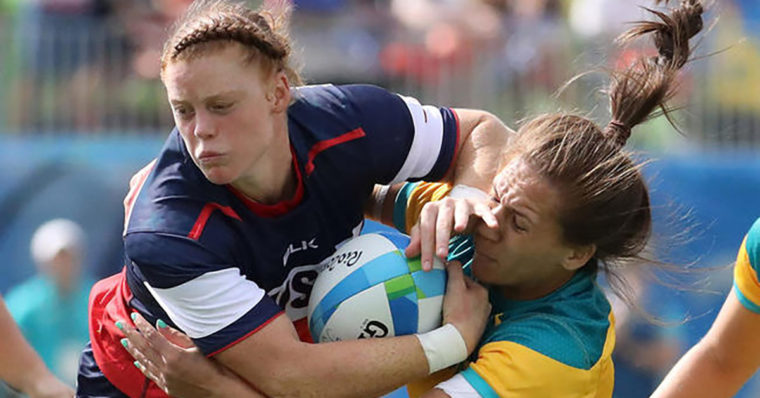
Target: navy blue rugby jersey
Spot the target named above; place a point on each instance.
(218, 266)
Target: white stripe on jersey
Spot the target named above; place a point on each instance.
(458, 387)
(428, 138)
(210, 302)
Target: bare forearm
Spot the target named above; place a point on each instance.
(484, 138)
(701, 373)
(228, 384)
(361, 368)
(20, 365)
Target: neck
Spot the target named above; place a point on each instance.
(275, 177)
(536, 289)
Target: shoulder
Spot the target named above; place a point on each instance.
(329, 94)
(551, 337)
(355, 100)
(752, 245)
(572, 328)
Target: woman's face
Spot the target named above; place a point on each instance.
(225, 111)
(529, 249)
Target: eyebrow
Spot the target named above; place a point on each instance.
(514, 210)
(213, 97)
(495, 191)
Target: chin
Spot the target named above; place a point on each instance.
(217, 177)
(480, 267)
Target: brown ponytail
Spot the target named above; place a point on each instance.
(649, 82)
(605, 201)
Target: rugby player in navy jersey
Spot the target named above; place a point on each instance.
(258, 183)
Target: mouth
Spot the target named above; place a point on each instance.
(479, 253)
(209, 156)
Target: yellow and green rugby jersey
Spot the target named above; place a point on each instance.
(559, 345)
(746, 284)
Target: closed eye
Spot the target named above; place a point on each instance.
(182, 112)
(220, 107)
(516, 225)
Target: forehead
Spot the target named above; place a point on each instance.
(218, 69)
(520, 185)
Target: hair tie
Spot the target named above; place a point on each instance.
(618, 131)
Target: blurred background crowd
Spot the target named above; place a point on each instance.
(82, 108)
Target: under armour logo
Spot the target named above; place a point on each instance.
(304, 245)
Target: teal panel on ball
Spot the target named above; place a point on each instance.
(398, 239)
(431, 283)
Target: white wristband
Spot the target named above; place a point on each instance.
(461, 191)
(443, 347)
(379, 198)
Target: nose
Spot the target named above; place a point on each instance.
(488, 233)
(204, 126)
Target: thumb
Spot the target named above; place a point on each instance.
(456, 276)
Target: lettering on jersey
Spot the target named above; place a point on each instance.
(293, 294)
(373, 328)
(293, 248)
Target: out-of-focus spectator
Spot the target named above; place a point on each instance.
(64, 45)
(51, 307)
(442, 35)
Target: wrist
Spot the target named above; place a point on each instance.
(443, 347)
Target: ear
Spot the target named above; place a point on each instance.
(280, 93)
(578, 256)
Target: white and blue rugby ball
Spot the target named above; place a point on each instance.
(368, 288)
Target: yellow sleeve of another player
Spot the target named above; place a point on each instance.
(510, 369)
(746, 284)
(411, 198)
(418, 387)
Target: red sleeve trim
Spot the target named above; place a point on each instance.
(323, 145)
(246, 335)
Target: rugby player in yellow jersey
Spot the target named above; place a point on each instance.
(727, 356)
(568, 204)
